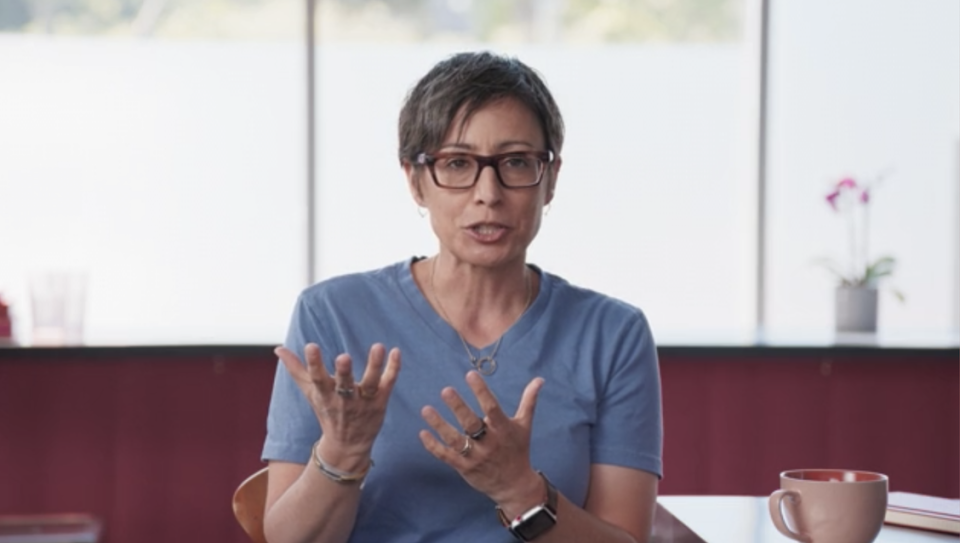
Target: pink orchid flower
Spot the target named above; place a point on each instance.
(832, 199)
(847, 183)
(852, 200)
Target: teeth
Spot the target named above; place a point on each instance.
(486, 229)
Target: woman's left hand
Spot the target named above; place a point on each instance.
(492, 452)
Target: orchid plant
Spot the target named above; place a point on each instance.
(851, 200)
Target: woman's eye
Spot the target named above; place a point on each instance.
(517, 162)
(456, 163)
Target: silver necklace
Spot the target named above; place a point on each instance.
(486, 365)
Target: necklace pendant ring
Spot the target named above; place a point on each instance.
(486, 365)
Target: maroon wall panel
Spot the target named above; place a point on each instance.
(155, 441)
(733, 424)
(154, 447)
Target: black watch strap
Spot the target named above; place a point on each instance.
(551, 494)
(536, 521)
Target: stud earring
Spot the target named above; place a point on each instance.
(422, 211)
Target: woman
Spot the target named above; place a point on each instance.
(555, 432)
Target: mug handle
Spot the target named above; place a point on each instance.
(776, 513)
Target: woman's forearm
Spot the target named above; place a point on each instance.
(576, 524)
(313, 509)
(319, 501)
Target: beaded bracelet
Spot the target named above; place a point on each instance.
(337, 475)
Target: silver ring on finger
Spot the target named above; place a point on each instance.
(467, 445)
(479, 433)
(345, 392)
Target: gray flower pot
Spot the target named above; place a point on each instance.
(856, 309)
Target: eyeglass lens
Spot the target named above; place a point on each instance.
(516, 170)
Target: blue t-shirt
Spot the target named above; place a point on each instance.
(600, 402)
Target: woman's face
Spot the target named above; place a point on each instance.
(487, 225)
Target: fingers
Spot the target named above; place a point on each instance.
(528, 402)
(316, 372)
(343, 374)
(437, 449)
(309, 375)
(389, 377)
(490, 405)
(292, 363)
(370, 381)
(451, 436)
(314, 375)
(488, 402)
(469, 421)
(375, 376)
(452, 442)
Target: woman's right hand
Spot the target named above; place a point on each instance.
(350, 415)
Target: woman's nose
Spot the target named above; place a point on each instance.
(488, 188)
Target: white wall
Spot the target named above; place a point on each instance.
(171, 173)
(652, 205)
(858, 87)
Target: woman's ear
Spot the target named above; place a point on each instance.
(413, 182)
(553, 172)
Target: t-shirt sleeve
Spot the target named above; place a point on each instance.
(292, 426)
(629, 425)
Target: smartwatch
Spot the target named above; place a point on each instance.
(537, 520)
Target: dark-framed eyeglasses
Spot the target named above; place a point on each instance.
(458, 170)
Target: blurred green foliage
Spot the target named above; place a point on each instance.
(657, 20)
(602, 21)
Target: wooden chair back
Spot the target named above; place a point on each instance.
(249, 504)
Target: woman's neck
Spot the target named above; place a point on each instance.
(481, 304)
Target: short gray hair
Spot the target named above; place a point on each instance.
(471, 81)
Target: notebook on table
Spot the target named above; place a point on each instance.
(923, 512)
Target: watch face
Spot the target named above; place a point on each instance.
(534, 523)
